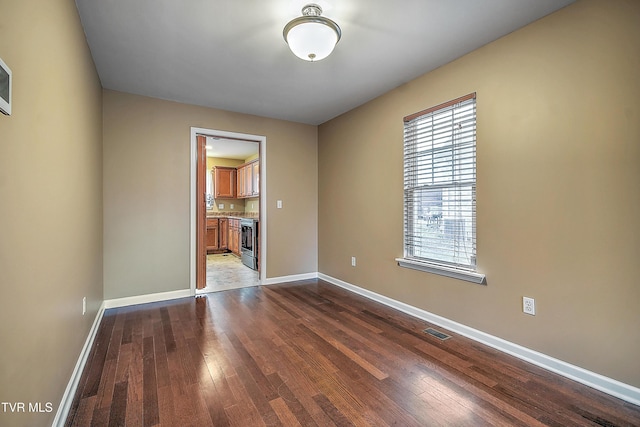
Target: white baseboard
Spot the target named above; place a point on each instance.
(144, 299)
(291, 278)
(72, 386)
(607, 385)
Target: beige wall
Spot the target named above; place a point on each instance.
(558, 118)
(50, 203)
(146, 191)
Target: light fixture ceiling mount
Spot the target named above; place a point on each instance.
(311, 36)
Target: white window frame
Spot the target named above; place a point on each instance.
(440, 190)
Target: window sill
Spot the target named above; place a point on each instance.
(469, 276)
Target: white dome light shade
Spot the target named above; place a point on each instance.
(312, 37)
(312, 41)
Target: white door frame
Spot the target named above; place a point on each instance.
(192, 198)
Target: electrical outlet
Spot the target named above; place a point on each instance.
(529, 306)
(278, 204)
(221, 206)
(353, 261)
(231, 206)
(84, 305)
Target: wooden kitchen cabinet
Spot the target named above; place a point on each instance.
(240, 182)
(248, 179)
(212, 235)
(217, 236)
(223, 233)
(255, 178)
(234, 236)
(224, 182)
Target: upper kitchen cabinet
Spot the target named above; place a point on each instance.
(255, 187)
(249, 180)
(224, 182)
(241, 188)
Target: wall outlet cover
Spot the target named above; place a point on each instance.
(529, 306)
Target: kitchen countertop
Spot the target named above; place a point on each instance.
(238, 215)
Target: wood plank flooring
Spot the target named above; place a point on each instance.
(311, 354)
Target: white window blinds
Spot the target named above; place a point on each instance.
(440, 185)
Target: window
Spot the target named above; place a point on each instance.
(440, 190)
(209, 192)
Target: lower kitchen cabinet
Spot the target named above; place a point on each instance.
(213, 234)
(234, 236)
(223, 234)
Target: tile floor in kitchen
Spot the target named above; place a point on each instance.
(226, 271)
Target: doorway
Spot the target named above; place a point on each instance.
(228, 194)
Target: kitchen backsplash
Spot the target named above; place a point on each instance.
(239, 206)
(252, 205)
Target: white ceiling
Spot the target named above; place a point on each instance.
(230, 54)
(231, 148)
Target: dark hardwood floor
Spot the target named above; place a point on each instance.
(311, 354)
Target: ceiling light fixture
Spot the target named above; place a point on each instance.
(311, 37)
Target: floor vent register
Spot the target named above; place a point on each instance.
(440, 335)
